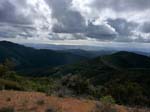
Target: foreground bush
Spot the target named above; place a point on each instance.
(7, 84)
(107, 100)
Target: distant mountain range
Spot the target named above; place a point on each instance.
(29, 58)
(26, 57)
(85, 49)
(89, 54)
(66, 47)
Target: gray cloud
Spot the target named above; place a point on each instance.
(9, 13)
(122, 5)
(145, 27)
(100, 32)
(114, 20)
(15, 30)
(68, 21)
(71, 21)
(123, 27)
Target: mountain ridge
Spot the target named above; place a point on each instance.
(30, 57)
(125, 59)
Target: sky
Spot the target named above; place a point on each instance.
(76, 22)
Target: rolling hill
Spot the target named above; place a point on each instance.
(26, 57)
(120, 61)
(123, 75)
(127, 60)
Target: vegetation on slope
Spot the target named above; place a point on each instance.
(116, 75)
(92, 79)
(127, 60)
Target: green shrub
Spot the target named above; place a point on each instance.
(107, 100)
(7, 84)
(78, 84)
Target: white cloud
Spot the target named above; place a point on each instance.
(111, 20)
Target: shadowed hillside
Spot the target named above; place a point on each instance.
(127, 60)
(123, 75)
(26, 57)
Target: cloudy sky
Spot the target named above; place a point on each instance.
(90, 22)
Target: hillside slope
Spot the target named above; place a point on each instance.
(126, 60)
(120, 61)
(26, 57)
(123, 75)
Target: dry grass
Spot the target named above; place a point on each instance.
(39, 102)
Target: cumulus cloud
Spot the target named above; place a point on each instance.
(9, 13)
(111, 20)
(122, 5)
(68, 21)
(33, 18)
